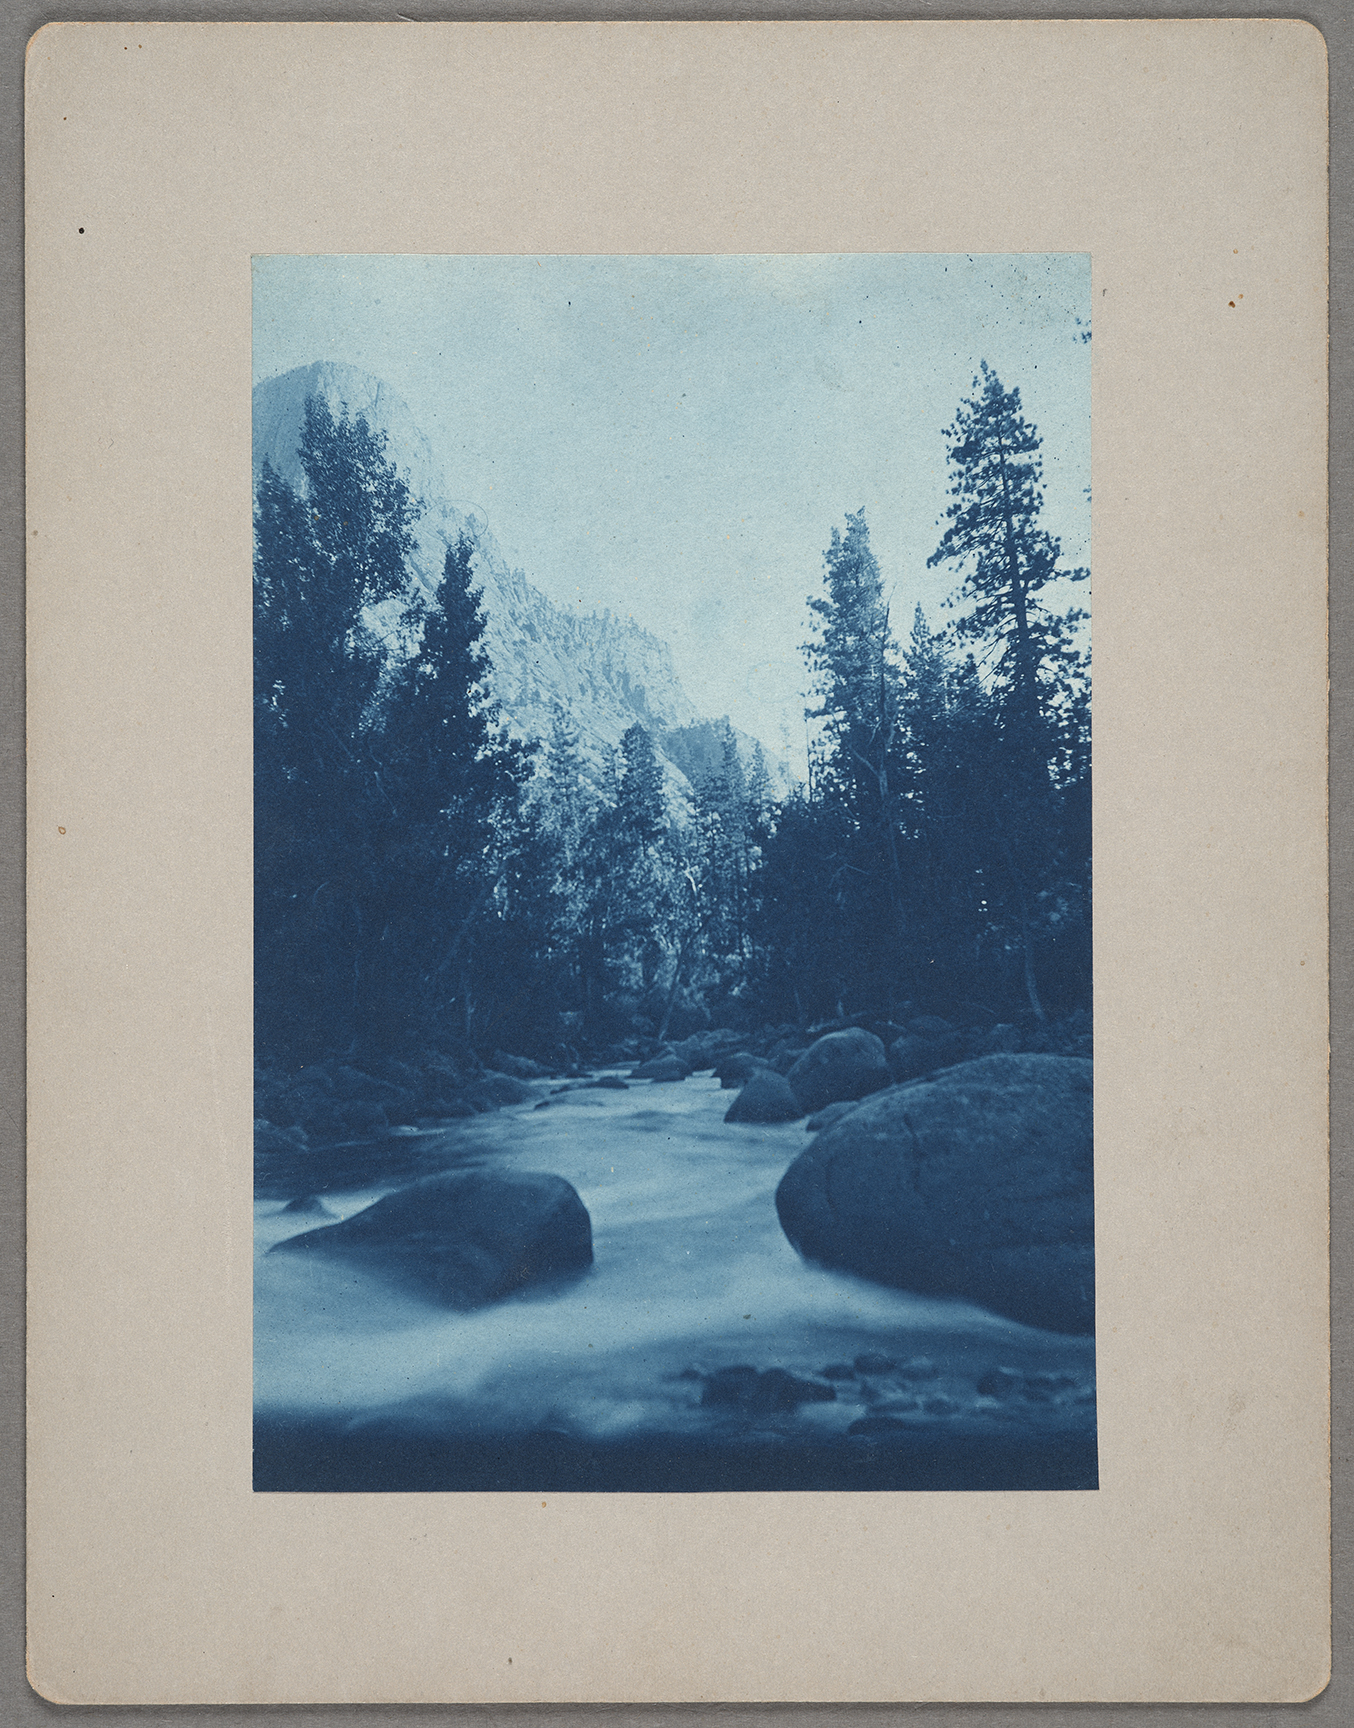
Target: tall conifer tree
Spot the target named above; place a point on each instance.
(1006, 558)
(321, 562)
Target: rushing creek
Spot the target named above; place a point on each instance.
(603, 1381)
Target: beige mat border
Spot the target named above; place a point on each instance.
(174, 1583)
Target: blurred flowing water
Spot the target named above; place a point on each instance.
(692, 1275)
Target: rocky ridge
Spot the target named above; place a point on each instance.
(606, 671)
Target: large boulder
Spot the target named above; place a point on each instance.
(490, 1091)
(520, 1067)
(705, 1049)
(465, 1237)
(974, 1183)
(912, 1056)
(767, 1097)
(662, 1068)
(738, 1069)
(848, 1064)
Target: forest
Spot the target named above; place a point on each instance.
(426, 882)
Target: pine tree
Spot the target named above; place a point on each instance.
(723, 832)
(645, 900)
(565, 800)
(1005, 557)
(439, 721)
(561, 809)
(450, 839)
(393, 875)
(1038, 672)
(853, 657)
(924, 699)
(641, 805)
(760, 797)
(321, 562)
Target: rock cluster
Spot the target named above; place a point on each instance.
(881, 1395)
(302, 1118)
(837, 1065)
(757, 1393)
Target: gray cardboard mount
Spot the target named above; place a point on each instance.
(1188, 158)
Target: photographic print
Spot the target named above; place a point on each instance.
(672, 788)
(686, 323)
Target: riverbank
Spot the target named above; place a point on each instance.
(699, 1351)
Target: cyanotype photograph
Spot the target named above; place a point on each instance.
(672, 866)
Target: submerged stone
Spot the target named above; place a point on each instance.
(765, 1393)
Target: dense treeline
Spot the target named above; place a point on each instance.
(423, 881)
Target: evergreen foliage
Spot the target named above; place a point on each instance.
(1005, 556)
(856, 783)
(376, 783)
(1040, 732)
(942, 854)
(853, 658)
(321, 562)
(423, 880)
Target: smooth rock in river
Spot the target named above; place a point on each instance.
(738, 1069)
(662, 1068)
(466, 1237)
(767, 1097)
(842, 1065)
(490, 1090)
(309, 1204)
(520, 1067)
(975, 1183)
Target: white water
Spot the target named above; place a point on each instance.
(692, 1270)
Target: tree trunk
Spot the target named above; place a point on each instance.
(675, 985)
(692, 936)
(1027, 947)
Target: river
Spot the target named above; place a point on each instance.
(605, 1381)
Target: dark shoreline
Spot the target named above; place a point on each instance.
(308, 1456)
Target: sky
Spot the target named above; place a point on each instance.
(675, 438)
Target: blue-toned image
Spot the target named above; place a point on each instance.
(672, 788)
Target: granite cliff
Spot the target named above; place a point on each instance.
(606, 671)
